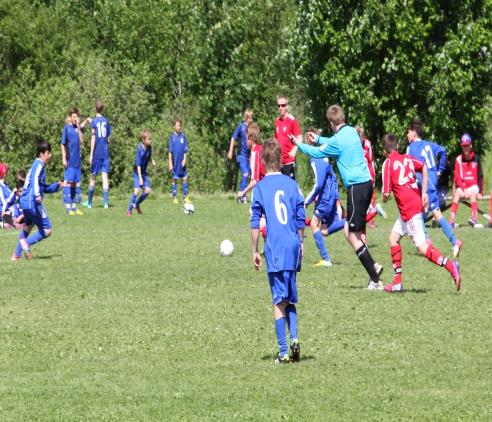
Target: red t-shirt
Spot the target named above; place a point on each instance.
(256, 163)
(284, 128)
(366, 144)
(467, 172)
(399, 178)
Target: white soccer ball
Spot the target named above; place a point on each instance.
(188, 208)
(226, 248)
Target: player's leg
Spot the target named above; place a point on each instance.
(22, 245)
(66, 192)
(245, 173)
(290, 278)
(446, 227)
(185, 188)
(279, 293)
(174, 189)
(136, 191)
(105, 182)
(44, 226)
(90, 192)
(457, 196)
(397, 232)
(78, 193)
(319, 240)
(145, 193)
(472, 193)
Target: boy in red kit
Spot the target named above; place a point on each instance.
(399, 178)
(468, 177)
(255, 162)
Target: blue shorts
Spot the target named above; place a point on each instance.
(283, 286)
(243, 163)
(38, 217)
(325, 209)
(433, 199)
(72, 174)
(136, 183)
(179, 173)
(100, 166)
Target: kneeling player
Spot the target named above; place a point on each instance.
(399, 177)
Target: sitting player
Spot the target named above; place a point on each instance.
(178, 151)
(468, 177)
(12, 213)
(399, 177)
(31, 202)
(278, 198)
(4, 187)
(141, 180)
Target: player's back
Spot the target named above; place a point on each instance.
(425, 152)
(324, 174)
(32, 186)
(102, 131)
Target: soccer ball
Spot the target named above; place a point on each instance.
(226, 248)
(188, 208)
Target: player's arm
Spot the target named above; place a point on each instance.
(479, 176)
(93, 145)
(300, 219)
(231, 149)
(256, 213)
(170, 161)
(251, 185)
(62, 147)
(183, 163)
(52, 188)
(440, 154)
(425, 180)
(79, 131)
(386, 177)
(319, 181)
(458, 181)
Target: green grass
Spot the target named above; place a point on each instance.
(140, 318)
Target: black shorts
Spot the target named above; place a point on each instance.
(289, 170)
(358, 201)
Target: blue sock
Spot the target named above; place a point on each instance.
(281, 340)
(73, 194)
(66, 196)
(336, 226)
(185, 189)
(291, 317)
(105, 196)
(174, 189)
(141, 199)
(35, 238)
(244, 181)
(447, 230)
(320, 243)
(78, 191)
(132, 202)
(90, 195)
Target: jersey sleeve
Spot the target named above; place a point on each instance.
(440, 154)
(386, 176)
(458, 180)
(255, 165)
(170, 144)
(54, 187)
(300, 211)
(330, 146)
(109, 130)
(256, 208)
(237, 132)
(138, 158)
(319, 181)
(63, 139)
(315, 152)
(10, 201)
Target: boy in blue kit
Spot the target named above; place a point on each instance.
(242, 157)
(31, 201)
(141, 181)
(325, 195)
(426, 152)
(178, 150)
(278, 198)
(99, 155)
(12, 214)
(71, 141)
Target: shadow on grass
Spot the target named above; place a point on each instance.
(303, 357)
(414, 290)
(47, 256)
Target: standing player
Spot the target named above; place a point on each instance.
(426, 152)
(141, 180)
(242, 157)
(399, 177)
(468, 177)
(346, 147)
(178, 151)
(287, 126)
(255, 161)
(279, 199)
(31, 202)
(99, 155)
(72, 140)
(5, 191)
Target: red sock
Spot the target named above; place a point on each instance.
(434, 255)
(263, 232)
(474, 212)
(371, 214)
(396, 258)
(454, 209)
(308, 222)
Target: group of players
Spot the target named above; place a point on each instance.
(278, 208)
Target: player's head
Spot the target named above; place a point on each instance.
(43, 150)
(73, 114)
(272, 155)
(390, 143)
(248, 116)
(4, 169)
(312, 129)
(253, 134)
(177, 124)
(415, 130)
(146, 137)
(282, 105)
(21, 175)
(360, 131)
(466, 142)
(19, 186)
(99, 107)
(335, 116)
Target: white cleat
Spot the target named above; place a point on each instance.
(375, 286)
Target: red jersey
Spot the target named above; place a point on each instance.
(256, 163)
(366, 145)
(399, 178)
(284, 128)
(468, 172)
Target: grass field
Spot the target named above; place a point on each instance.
(140, 318)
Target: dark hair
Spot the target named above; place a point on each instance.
(21, 175)
(19, 184)
(99, 106)
(272, 154)
(390, 142)
(73, 110)
(177, 119)
(42, 146)
(417, 126)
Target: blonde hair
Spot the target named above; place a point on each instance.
(145, 134)
(253, 133)
(335, 115)
(272, 155)
(247, 112)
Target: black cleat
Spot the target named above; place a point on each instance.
(280, 360)
(295, 351)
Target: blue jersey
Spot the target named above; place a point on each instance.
(240, 133)
(325, 189)
(142, 159)
(5, 193)
(346, 147)
(102, 131)
(70, 138)
(35, 186)
(11, 202)
(178, 147)
(278, 198)
(428, 153)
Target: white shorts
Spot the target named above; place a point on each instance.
(413, 227)
(468, 192)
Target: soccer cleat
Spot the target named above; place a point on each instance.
(71, 212)
(394, 288)
(295, 351)
(323, 263)
(475, 224)
(129, 213)
(456, 248)
(25, 248)
(139, 211)
(380, 211)
(187, 200)
(175, 201)
(106, 205)
(379, 269)
(14, 257)
(242, 200)
(453, 225)
(456, 275)
(375, 286)
(86, 204)
(78, 212)
(280, 360)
